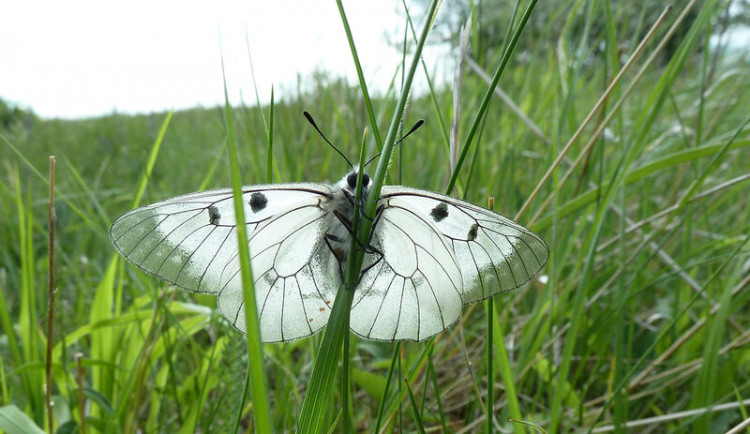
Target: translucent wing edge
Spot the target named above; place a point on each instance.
(202, 198)
(476, 212)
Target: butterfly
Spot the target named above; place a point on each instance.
(428, 255)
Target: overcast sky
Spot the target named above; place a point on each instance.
(82, 58)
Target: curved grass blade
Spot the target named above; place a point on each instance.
(256, 371)
(488, 95)
(321, 380)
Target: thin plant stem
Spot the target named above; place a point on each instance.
(50, 294)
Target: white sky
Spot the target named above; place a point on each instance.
(82, 58)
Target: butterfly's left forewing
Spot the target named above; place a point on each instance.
(191, 242)
(495, 254)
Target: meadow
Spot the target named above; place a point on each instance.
(627, 151)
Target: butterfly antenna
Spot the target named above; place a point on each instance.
(414, 128)
(312, 122)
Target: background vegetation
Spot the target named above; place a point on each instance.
(640, 322)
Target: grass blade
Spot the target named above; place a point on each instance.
(488, 95)
(414, 408)
(256, 371)
(360, 76)
(321, 380)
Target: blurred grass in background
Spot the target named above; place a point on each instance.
(643, 312)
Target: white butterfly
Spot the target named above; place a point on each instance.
(428, 256)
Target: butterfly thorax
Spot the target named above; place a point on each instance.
(342, 204)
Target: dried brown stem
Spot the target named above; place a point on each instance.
(593, 111)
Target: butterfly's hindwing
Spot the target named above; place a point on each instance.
(495, 254)
(412, 288)
(295, 274)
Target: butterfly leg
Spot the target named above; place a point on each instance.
(372, 249)
(341, 253)
(334, 245)
(348, 225)
(367, 268)
(338, 251)
(351, 199)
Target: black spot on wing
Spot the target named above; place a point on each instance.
(213, 215)
(439, 212)
(472, 235)
(258, 201)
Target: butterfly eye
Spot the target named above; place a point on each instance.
(352, 180)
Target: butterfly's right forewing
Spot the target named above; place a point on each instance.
(191, 242)
(411, 288)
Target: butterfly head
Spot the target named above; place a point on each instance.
(348, 184)
(351, 180)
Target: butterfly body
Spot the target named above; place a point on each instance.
(427, 256)
(341, 213)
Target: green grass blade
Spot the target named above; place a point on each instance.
(385, 157)
(489, 400)
(324, 370)
(345, 363)
(30, 348)
(482, 111)
(318, 395)
(269, 141)
(704, 392)
(388, 378)
(433, 94)
(360, 76)
(415, 409)
(505, 370)
(346, 408)
(436, 389)
(14, 421)
(256, 370)
(146, 175)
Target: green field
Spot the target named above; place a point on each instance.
(640, 321)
